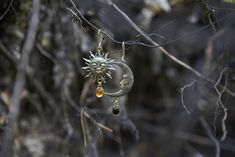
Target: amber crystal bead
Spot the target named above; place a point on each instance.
(99, 92)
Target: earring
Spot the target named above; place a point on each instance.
(127, 77)
(98, 66)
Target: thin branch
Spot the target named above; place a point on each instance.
(7, 54)
(92, 143)
(97, 123)
(20, 77)
(211, 136)
(182, 95)
(97, 29)
(152, 41)
(220, 103)
(224, 129)
(46, 54)
(6, 11)
(209, 12)
(83, 128)
(136, 42)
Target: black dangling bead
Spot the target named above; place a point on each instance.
(116, 109)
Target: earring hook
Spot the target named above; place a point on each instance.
(123, 51)
(100, 39)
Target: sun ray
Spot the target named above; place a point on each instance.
(85, 68)
(111, 68)
(107, 74)
(87, 60)
(106, 55)
(108, 71)
(89, 74)
(92, 55)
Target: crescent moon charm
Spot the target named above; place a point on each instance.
(127, 80)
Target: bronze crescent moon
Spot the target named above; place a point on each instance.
(127, 80)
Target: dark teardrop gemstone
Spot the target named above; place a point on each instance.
(116, 110)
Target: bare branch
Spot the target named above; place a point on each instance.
(97, 123)
(83, 128)
(6, 11)
(211, 136)
(20, 77)
(152, 41)
(182, 95)
(46, 54)
(220, 103)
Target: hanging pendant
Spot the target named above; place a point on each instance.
(99, 92)
(116, 108)
(99, 67)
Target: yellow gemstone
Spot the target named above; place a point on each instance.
(99, 92)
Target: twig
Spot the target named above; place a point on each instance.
(211, 136)
(152, 41)
(224, 129)
(97, 123)
(84, 92)
(6, 11)
(208, 11)
(7, 54)
(131, 42)
(182, 95)
(46, 54)
(83, 128)
(97, 29)
(220, 103)
(92, 144)
(20, 77)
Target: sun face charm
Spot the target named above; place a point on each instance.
(98, 67)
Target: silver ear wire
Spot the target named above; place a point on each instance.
(123, 51)
(100, 40)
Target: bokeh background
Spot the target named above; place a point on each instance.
(58, 108)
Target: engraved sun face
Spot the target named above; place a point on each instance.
(98, 66)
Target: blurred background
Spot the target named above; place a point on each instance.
(49, 109)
